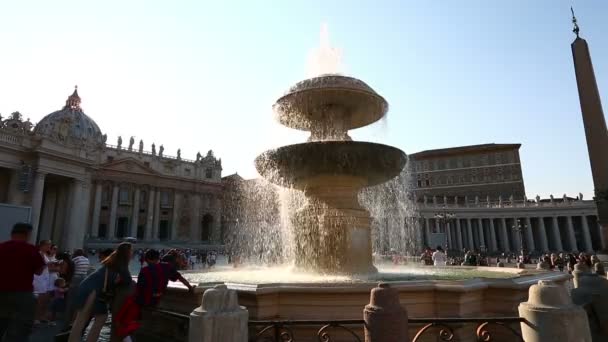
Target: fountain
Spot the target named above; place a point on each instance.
(332, 230)
(331, 255)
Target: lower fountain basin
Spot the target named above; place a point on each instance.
(296, 165)
(477, 292)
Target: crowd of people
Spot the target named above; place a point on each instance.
(46, 288)
(184, 259)
(554, 261)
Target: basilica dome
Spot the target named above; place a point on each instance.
(70, 125)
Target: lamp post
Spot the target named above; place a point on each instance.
(519, 228)
(444, 218)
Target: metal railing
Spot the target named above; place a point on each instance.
(443, 329)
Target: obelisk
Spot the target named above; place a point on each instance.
(595, 126)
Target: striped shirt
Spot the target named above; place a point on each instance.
(81, 265)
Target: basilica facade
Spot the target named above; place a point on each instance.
(85, 192)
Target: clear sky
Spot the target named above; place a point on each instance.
(200, 75)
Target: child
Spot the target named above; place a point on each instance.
(58, 303)
(154, 278)
(151, 285)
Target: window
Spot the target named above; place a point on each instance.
(165, 199)
(208, 173)
(419, 183)
(427, 182)
(147, 164)
(498, 158)
(187, 172)
(484, 159)
(124, 196)
(110, 159)
(105, 194)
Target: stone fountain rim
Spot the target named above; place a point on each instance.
(258, 161)
(530, 277)
(305, 85)
(301, 89)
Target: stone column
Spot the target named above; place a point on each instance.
(195, 220)
(493, 244)
(219, 318)
(47, 219)
(603, 234)
(529, 236)
(74, 237)
(459, 234)
(135, 213)
(448, 227)
(96, 211)
(37, 193)
(385, 318)
(177, 201)
(544, 245)
(517, 242)
(470, 234)
(480, 234)
(150, 214)
(504, 235)
(15, 196)
(571, 236)
(113, 208)
(586, 234)
(557, 239)
(156, 220)
(427, 231)
(551, 316)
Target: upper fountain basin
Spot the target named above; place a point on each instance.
(295, 165)
(327, 100)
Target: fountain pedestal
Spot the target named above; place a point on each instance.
(333, 230)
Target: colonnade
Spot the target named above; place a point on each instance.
(511, 234)
(201, 223)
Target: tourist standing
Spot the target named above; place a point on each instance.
(81, 269)
(42, 285)
(439, 257)
(17, 301)
(97, 291)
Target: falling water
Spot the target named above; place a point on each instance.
(263, 233)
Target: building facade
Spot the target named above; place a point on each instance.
(83, 191)
(473, 197)
(468, 174)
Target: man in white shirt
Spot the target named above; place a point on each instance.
(439, 257)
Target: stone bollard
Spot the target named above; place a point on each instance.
(219, 318)
(591, 290)
(385, 318)
(551, 315)
(500, 264)
(521, 265)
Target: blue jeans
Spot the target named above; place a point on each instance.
(17, 311)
